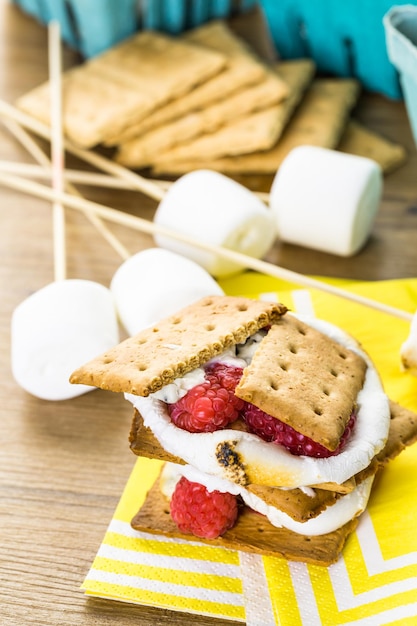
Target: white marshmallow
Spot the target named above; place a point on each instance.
(155, 283)
(212, 208)
(408, 351)
(326, 200)
(56, 330)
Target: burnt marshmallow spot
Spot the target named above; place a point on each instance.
(228, 457)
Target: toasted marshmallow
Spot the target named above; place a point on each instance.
(57, 329)
(214, 209)
(259, 462)
(155, 283)
(333, 517)
(408, 350)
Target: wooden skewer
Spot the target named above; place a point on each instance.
(142, 225)
(144, 185)
(57, 149)
(45, 172)
(86, 178)
(28, 142)
(166, 184)
(152, 189)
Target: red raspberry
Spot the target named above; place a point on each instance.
(205, 514)
(228, 375)
(210, 406)
(271, 429)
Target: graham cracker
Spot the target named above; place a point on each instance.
(360, 141)
(402, 433)
(294, 502)
(243, 68)
(320, 120)
(257, 131)
(144, 443)
(143, 149)
(123, 83)
(305, 379)
(178, 344)
(251, 533)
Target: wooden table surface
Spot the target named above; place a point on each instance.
(63, 465)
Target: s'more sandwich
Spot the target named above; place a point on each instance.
(272, 427)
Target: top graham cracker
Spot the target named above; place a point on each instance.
(305, 379)
(157, 355)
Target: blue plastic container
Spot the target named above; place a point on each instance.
(92, 26)
(401, 32)
(344, 37)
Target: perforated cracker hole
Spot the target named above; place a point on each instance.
(293, 349)
(342, 355)
(334, 373)
(177, 320)
(107, 360)
(318, 411)
(210, 327)
(142, 367)
(326, 392)
(242, 307)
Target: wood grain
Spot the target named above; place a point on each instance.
(63, 465)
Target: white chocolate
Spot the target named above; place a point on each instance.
(155, 283)
(56, 330)
(212, 208)
(326, 200)
(408, 350)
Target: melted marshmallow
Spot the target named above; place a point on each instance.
(333, 517)
(272, 464)
(408, 350)
(237, 356)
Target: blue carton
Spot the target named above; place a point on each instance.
(92, 26)
(401, 33)
(344, 37)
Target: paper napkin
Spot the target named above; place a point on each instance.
(375, 580)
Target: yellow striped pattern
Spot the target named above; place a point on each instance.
(375, 581)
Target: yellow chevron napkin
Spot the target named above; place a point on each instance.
(375, 580)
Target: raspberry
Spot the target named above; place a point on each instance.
(205, 514)
(210, 406)
(271, 429)
(228, 375)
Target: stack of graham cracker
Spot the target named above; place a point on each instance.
(205, 99)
